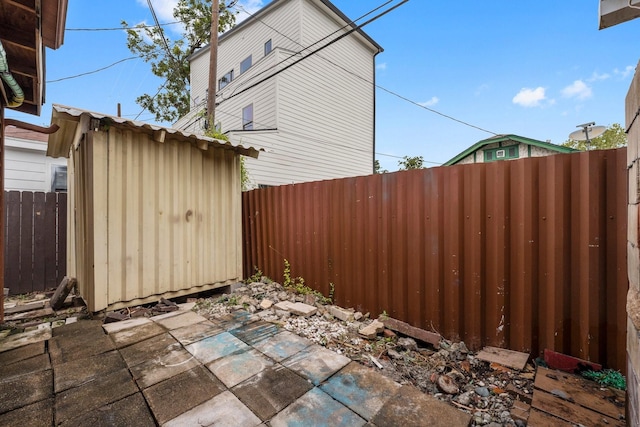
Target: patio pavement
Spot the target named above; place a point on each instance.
(180, 369)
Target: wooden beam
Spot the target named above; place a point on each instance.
(2, 211)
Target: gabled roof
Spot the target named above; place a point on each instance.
(275, 3)
(69, 120)
(504, 138)
(26, 27)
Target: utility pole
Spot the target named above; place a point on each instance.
(213, 65)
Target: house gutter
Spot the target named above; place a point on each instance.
(17, 98)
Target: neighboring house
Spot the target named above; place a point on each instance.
(27, 167)
(316, 119)
(506, 147)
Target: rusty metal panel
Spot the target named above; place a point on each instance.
(525, 254)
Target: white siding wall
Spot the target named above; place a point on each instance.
(27, 166)
(323, 107)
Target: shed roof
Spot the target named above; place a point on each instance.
(503, 138)
(70, 120)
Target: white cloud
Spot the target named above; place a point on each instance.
(433, 101)
(624, 73)
(596, 76)
(481, 89)
(246, 7)
(163, 8)
(577, 89)
(528, 97)
(382, 66)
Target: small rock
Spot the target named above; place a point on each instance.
(357, 315)
(394, 354)
(408, 344)
(463, 348)
(266, 304)
(282, 313)
(302, 309)
(283, 305)
(482, 391)
(309, 299)
(388, 333)
(114, 317)
(283, 296)
(341, 313)
(447, 385)
(372, 329)
(464, 398)
(328, 316)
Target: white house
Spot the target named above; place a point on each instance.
(316, 119)
(27, 167)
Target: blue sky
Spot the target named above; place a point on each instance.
(535, 69)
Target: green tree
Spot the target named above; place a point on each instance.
(377, 168)
(613, 137)
(168, 58)
(407, 163)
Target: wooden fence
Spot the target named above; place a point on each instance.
(35, 240)
(526, 254)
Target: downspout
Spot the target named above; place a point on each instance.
(17, 98)
(374, 86)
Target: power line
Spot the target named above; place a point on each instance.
(94, 71)
(137, 27)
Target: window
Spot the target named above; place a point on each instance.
(59, 178)
(247, 117)
(267, 47)
(225, 80)
(245, 65)
(501, 153)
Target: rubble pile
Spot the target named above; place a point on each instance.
(447, 370)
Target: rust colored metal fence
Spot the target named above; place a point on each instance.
(527, 254)
(35, 240)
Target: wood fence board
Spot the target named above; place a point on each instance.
(12, 241)
(62, 236)
(50, 242)
(38, 248)
(26, 236)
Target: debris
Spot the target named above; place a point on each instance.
(266, 304)
(482, 391)
(510, 358)
(413, 332)
(62, 291)
(563, 362)
(302, 309)
(408, 344)
(607, 377)
(113, 317)
(447, 384)
(343, 314)
(376, 362)
(372, 329)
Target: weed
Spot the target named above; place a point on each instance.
(297, 285)
(255, 277)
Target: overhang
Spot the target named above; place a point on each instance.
(613, 12)
(73, 122)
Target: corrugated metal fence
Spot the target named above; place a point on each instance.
(527, 254)
(35, 240)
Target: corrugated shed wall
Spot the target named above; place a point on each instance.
(153, 218)
(526, 254)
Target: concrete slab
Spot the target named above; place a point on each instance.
(168, 399)
(37, 414)
(271, 390)
(255, 332)
(89, 397)
(21, 353)
(316, 363)
(163, 366)
(130, 411)
(360, 389)
(187, 306)
(130, 336)
(197, 332)
(213, 348)
(236, 319)
(24, 390)
(316, 408)
(77, 372)
(148, 349)
(78, 329)
(224, 410)
(181, 320)
(77, 341)
(410, 407)
(302, 309)
(235, 368)
(25, 338)
(111, 328)
(31, 365)
(282, 345)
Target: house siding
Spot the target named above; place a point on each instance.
(314, 120)
(523, 151)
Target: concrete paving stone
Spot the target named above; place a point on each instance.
(163, 366)
(78, 329)
(166, 315)
(255, 332)
(236, 319)
(22, 353)
(283, 305)
(316, 363)
(111, 328)
(411, 407)
(282, 345)
(316, 408)
(213, 348)
(25, 338)
(197, 332)
(26, 389)
(235, 368)
(77, 341)
(148, 349)
(77, 372)
(224, 410)
(39, 414)
(27, 366)
(130, 336)
(130, 411)
(183, 319)
(176, 395)
(90, 396)
(187, 306)
(302, 309)
(271, 390)
(361, 389)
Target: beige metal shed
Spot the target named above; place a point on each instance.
(153, 211)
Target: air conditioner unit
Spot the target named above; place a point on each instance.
(500, 154)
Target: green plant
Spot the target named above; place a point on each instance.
(607, 377)
(332, 292)
(384, 315)
(297, 285)
(255, 277)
